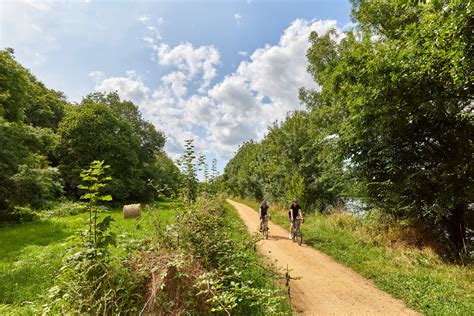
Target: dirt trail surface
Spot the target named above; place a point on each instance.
(326, 287)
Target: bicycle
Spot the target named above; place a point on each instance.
(297, 233)
(265, 228)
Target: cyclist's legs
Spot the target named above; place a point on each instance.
(296, 226)
(291, 224)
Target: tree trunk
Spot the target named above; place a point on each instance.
(457, 229)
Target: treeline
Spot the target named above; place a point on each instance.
(390, 128)
(45, 142)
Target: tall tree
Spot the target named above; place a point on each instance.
(398, 92)
(13, 87)
(91, 131)
(103, 127)
(45, 107)
(26, 177)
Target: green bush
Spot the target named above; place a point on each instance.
(18, 215)
(36, 186)
(64, 208)
(238, 284)
(91, 280)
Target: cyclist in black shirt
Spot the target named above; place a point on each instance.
(293, 213)
(263, 212)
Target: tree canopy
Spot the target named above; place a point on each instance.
(46, 142)
(391, 123)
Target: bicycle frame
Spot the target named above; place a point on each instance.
(265, 226)
(297, 234)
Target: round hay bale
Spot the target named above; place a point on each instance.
(132, 211)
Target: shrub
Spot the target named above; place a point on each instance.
(91, 280)
(234, 281)
(64, 208)
(18, 215)
(169, 283)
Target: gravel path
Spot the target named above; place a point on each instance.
(326, 287)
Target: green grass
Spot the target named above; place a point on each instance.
(31, 253)
(238, 231)
(421, 279)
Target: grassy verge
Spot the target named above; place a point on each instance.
(417, 276)
(31, 253)
(239, 233)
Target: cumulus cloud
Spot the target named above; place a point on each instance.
(153, 34)
(97, 76)
(264, 88)
(143, 19)
(237, 18)
(278, 71)
(176, 80)
(220, 116)
(130, 87)
(190, 60)
(200, 111)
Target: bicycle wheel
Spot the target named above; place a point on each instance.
(300, 237)
(296, 230)
(265, 232)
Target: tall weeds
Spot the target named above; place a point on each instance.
(227, 277)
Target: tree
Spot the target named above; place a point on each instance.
(296, 188)
(293, 148)
(104, 127)
(25, 99)
(91, 131)
(13, 87)
(45, 107)
(151, 140)
(26, 177)
(397, 92)
(242, 173)
(189, 164)
(164, 176)
(214, 172)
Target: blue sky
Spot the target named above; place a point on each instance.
(217, 71)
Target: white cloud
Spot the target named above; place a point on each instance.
(237, 18)
(278, 71)
(264, 88)
(191, 61)
(275, 72)
(243, 53)
(150, 41)
(200, 110)
(153, 32)
(97, 76)
(143, 19)
(176, 80)
(130, 87)
(41, 5)
(37, 28)
(27, 30)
